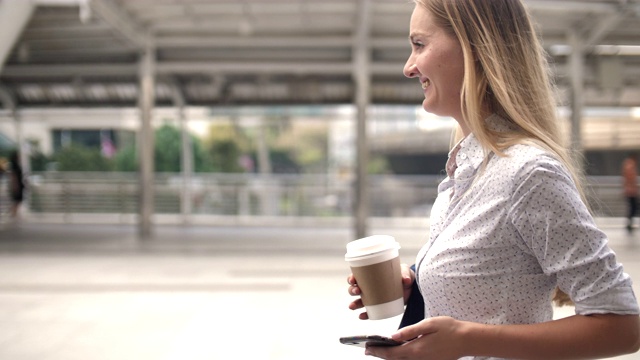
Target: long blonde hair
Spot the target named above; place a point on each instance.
(507, 73)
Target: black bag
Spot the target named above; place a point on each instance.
(414, 311)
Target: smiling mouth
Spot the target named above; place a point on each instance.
(426, 84)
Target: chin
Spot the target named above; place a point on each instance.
(428, 108)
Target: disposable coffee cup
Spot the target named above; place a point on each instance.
(375, 264)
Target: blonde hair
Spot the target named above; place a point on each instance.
(505, 72)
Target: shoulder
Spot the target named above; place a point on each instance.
(522, 159)
(526, 169)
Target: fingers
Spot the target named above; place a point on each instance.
(407, 282)
(382, 352)
(411, 332)
(407, 272)
(406, 334)
(356, 304)
(353, 290)
(351, 279)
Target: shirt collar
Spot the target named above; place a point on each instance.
(467, 156)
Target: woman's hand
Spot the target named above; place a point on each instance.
(408, 277)
(574, 337)
(434, 338)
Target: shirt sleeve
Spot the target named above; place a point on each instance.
(556, 227)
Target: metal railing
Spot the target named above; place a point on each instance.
(251, 195)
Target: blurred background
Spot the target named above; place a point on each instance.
(223, 129)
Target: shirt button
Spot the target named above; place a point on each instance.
(463, 156)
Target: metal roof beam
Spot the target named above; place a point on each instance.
(604, 26)
(253, 41)
(571, 6)
(93, 70)
(14, 15)
(185, 68)
(275, 41)
(121, 22)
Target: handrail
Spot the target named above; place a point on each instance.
(254, 195)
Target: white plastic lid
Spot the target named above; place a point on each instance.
(370, 245)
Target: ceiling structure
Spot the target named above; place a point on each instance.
(235, 52)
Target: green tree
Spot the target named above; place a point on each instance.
(167, 153)
(378, 165)
(39, 161)
(168, 145)
(80, 158)
(305, 145)
(126, 159)
(224, 145)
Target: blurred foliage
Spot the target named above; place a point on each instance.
(224, 145)
(167, 153)
(298, 147)
(39, 161)
(168, 145)
(126, 159)
(80, 158)
(306, 145)
(167, 156)
(378, 165)
(282, 162)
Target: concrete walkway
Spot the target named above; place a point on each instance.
(97, 292)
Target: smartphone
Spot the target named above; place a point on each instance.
(370, 340)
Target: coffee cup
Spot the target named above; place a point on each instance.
(375, 264)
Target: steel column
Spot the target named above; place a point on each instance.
(361, 73)
(146, 140)
(576, 72)
(186, 156)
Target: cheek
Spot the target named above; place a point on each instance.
(452, 73)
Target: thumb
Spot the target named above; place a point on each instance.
(411, 332)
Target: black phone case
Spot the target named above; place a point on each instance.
(370, 340)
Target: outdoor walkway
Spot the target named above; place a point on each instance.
(90, 292)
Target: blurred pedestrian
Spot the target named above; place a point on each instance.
(4, 166)
(16, 183)
(630, 185)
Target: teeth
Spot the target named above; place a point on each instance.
(426, 83)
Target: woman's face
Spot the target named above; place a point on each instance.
(437, 62)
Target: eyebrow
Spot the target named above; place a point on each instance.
(413, 36)
(418, 33)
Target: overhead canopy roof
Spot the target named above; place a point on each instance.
(228, 52)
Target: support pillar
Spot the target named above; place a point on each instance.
(186, 205)
(576, 72)
(146, 140)
(361, 73)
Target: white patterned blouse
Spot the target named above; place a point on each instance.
(502, 238)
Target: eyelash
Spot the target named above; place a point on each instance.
(416, 45)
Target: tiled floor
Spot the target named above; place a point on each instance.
(97, 293)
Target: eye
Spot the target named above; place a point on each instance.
(416, 44)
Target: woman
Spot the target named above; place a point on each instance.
(509, 225)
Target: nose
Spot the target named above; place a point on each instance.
(410, 69)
